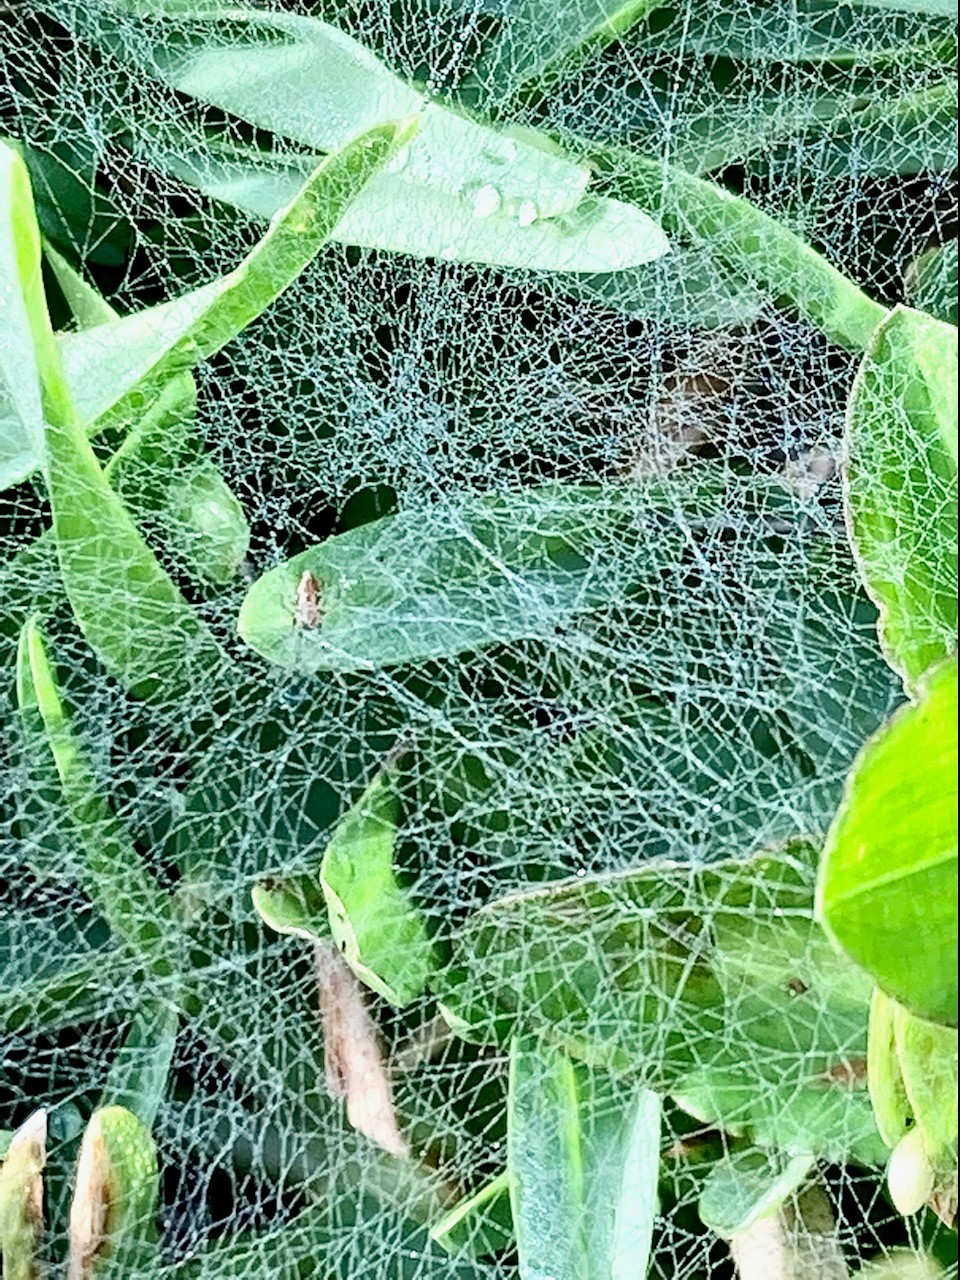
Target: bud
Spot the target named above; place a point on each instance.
(21, 1199)
(114, 1195)
(910, 1176)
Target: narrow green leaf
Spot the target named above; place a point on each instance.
(584, 1160)
(116, 1188)
(745, 240)
(461, 191)
(138, 1074)
(373, 919)
(129, 609)
(481, 1224)
(74, 992)
(88, 307)
(884, 1076)
(900, 486)
(125, 603)
(21, 411)
(887, 890)
(807, 31)
(746, 1186)
(540, 40)
(114, 876)
(114, 366)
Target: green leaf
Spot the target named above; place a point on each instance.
(745, 240)
(21, 411)
(670, 970)
(89, 309)
(481, 1224)
(887, 890)
(129, 609)
(541, 39)
(884, 1075)
(584, 1160)
(932, 282)
(373, 919)
(746, 1186)
(115, 365)
(830, 1116)
(114, 876)
(293, 905)
(900, 486)
(461, 191)
(814, 31)
(486, 570)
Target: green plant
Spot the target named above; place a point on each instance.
(481, 649)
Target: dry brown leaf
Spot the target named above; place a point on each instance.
(354, 1062)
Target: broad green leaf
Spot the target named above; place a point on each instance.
(373, 919)
(583, 1157)
(670, 970)
(829, 1117)
(479, 1225)
(138, 1073)
(460, 191)
(745, 1186)
(689, 285)
(116, 1188)
(114, 875)
(884, 1075)
(486, 570)
(887, 890)
(21, 1199)
(901, 478)
(932, 282)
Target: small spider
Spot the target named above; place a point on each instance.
(309, 612)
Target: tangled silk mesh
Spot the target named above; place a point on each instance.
(713, 717)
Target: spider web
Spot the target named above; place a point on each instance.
(712, 715)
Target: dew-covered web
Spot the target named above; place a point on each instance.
(704, 704)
